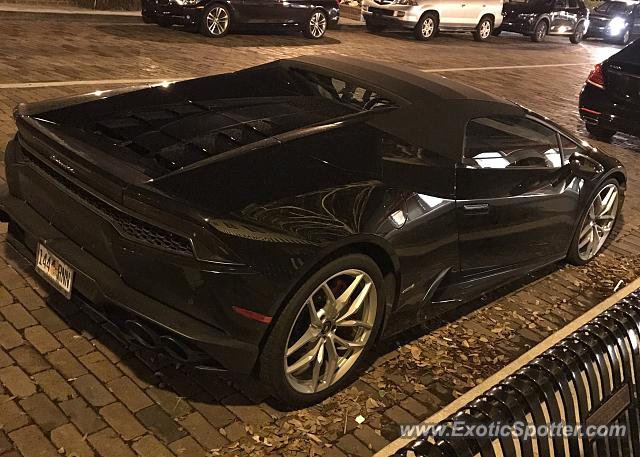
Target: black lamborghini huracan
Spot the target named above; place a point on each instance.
(281, 219)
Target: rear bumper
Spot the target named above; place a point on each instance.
(596, 108)
(202, 332)
(139, 319)
(154, 11)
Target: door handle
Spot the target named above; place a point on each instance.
(476, 209)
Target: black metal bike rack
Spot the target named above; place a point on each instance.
(590, 378)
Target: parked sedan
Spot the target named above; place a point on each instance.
(610, 99)
(282, 219)
(216, 18)
(616, 20)
(539, 18)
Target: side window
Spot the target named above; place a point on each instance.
(573, 3)
(510, 142)
(561, 4)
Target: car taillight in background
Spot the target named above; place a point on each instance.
(596, 77)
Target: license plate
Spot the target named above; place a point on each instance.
(54, 270)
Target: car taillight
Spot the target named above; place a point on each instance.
(596, 77)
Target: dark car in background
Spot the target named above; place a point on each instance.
(616, 21)
(216, 18)
(539, 18)
(279, 220)
(610, 99)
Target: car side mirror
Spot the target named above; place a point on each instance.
(584, 166)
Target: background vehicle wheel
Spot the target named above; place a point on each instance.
(374, 28)
(316, 25)
(496, 32)
(625, 38)
(318, 342)
(427, 27)
(484, 29)
(216, 21)
(600, 133)
(578, 34)
(164, 22)
(540, 32)
(596, 224)
(147, 19)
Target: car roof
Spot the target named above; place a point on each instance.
(410, 84)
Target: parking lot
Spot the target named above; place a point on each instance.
(68, 388)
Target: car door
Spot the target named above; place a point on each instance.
(516, 198)
(558, 17)
(472, 12)
(572, 14)
(264, 11)
(452, 13)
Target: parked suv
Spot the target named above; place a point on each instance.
(427, 17)
(615, 21)
(539, 18)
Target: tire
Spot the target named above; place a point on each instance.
(316, 25)
(216, 21)
(484, 30)
(427, 27)
(164, 22)
(540, 31)
(578, 255)
(147, 19)
(625, 38)
(293, 389)
(578, 33)
(374, 28)
(600, 133)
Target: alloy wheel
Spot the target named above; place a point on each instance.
(217, 21)
(485, 29)
(626, 37)
(330, 331)
(542, 31)
(599, 221)
(317, 24)
(428, 26)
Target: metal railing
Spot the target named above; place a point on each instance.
(587, 381)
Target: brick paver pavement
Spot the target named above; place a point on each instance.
(68, 388)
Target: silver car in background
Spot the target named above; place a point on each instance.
(428, 17)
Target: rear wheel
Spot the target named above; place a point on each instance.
(216, 21)
(316, 25)
(319, 340)
(597, 223)
(600, 133)
(426, 27)
(540, 31)
(484, 29)
(578, 34)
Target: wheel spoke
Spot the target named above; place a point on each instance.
(332, 361)
(304, 361)
(357, 303)
(313, 313)
(344, 297)
(310, 335)
(352, 323)
(347, 344)
(317, 365)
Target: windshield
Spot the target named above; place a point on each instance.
(613, 8)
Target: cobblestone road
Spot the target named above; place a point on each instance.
(67, 387)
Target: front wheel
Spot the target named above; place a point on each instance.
(625, 38)
(316, 25)
(600, 133)
(319, 340)
(216, 21)
(578, 34)
(540, 32)
(426, 27)
(597, 223)
(483, 30)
